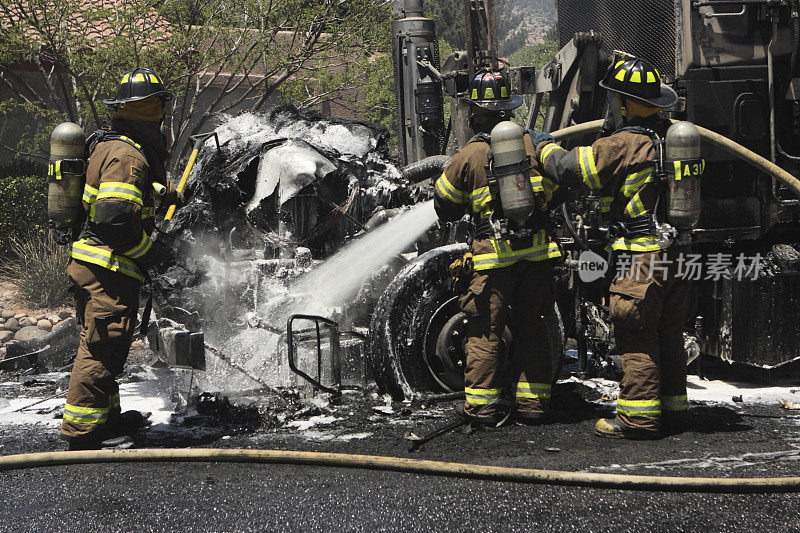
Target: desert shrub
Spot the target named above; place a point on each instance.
(38, 269)
(24, 203)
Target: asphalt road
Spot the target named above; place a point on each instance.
(721, 441)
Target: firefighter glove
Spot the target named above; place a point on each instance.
(173, 196)
(462, 267)
(538, 137)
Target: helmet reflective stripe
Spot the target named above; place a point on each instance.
(139, 84)
(638, 79)
(490, 90)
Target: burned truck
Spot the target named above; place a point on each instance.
(735, 67)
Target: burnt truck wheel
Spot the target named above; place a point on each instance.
(418, 333)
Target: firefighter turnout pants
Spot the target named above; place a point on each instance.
(111, 301)
(526, 288)
(649, 307)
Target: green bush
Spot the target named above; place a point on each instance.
(23, 204)
(38, 269)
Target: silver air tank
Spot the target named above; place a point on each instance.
(65, 175)
(682, 159)
(510, 162)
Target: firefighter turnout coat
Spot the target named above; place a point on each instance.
(648, 304)
(507, 274)
(107, 267)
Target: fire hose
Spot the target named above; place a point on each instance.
(720, 141)
(411, 466)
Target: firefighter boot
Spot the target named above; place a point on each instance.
(100, 439)
(129, 422)
(531, 418)
(614, 428)
(497, 419)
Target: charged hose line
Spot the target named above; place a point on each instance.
(411, 466)
(720, 141)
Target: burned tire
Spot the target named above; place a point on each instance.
(414, 320)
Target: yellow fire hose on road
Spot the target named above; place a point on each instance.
(411, 466)
(720, 141)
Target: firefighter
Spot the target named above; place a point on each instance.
(506, 273)
(108, 262)
(648, 304)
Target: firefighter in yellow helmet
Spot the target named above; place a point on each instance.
(510, 275)
(108, 262)
(648, 305)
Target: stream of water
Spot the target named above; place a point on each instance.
(323, 290)
(337, 280)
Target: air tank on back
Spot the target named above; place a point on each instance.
(65, 176)
(682, 155)
(510, 162)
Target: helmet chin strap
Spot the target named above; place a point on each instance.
(615, 114)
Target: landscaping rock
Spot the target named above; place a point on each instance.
(6, 336)
(38, 317)
(12, 324)
(20, 315)
(27, 321)
(53, 318)
(63, 341)
(64, 314)
(46, 325)
(7, 313)
(28, 333)
(2, 320)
